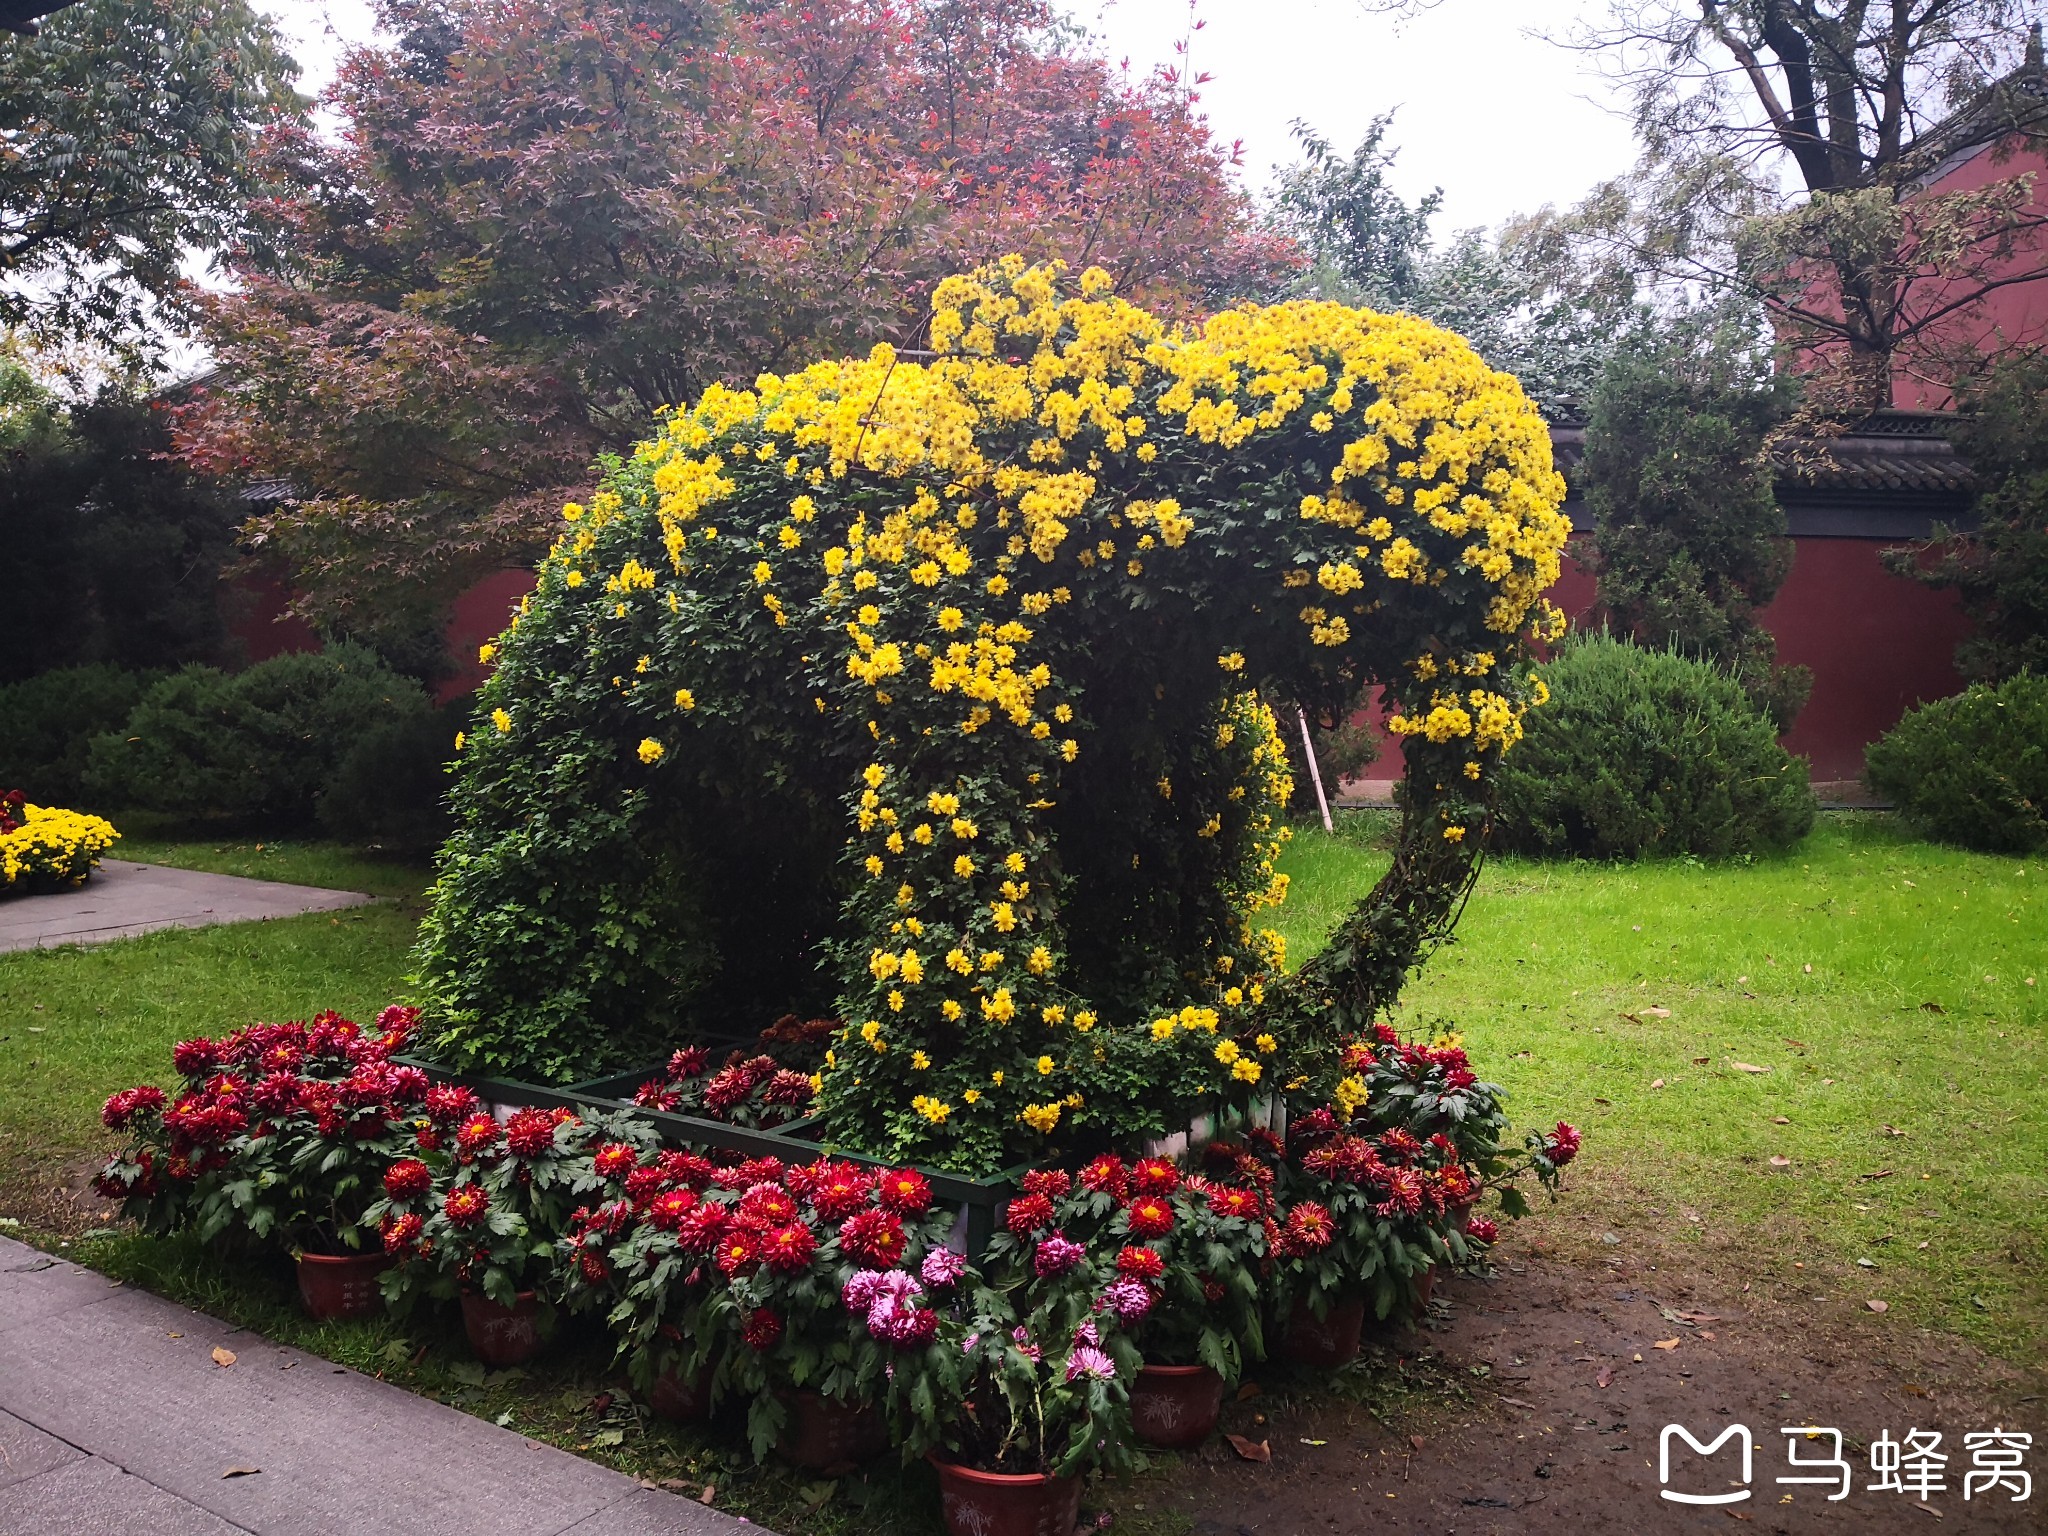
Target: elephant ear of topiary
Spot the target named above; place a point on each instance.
(929, 694)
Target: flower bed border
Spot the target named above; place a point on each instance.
(980, 1199)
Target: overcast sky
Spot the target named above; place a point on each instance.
(1501, 120)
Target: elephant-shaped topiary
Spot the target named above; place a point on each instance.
(928, 693)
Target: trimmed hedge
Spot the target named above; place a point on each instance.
(47, 724)
(1972, 768)
(1648, 752)
(264, 745)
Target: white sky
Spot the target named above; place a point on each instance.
(1501, 120)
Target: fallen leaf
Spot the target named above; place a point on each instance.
(1808, 969)
(1306, 1441)
(1599, 1100)
(1707, 1333)
(1866, 1263)
(1516, 1402)
(1665, 1344)
(1782, 1120)
(223, 1357)
(1797, 1045)
(1882, 1173)
(1632, 1018)
(709, 1494)
(1248, 1391)
(1250, 1450)
(1778, 1161)
(1747, 1066)
(1932, 1008)
(1417, 1441)
(1701, 1061)
(1656, 1013)
(675, 1485)
(1927, 1509)
(1659, 1083)
(241, 1472)
(1891, 1131)
(1878, 1306)
(1735, 1514)
(1605, 1378)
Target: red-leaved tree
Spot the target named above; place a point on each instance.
(544, 219)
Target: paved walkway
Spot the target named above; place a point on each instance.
(116, 1420)
(122, 899)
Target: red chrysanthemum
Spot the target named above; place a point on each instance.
(688, 1062)
(838, 1190)
(128, 1103)
(476, 1136)
(408, 1179)
(1028, 1214)
(1228, 1200)
(1212, 1290)
(446, 1106)
(643, 1184)
(788, 1088)
(767, 1205)
(1140, 1263)
(1563, 1144)
(1155, 1176)
(1053, 1183)
(1151, 1216)
(1309, 1227)
(738, 1250)
(1481, 1230)
(872, 1238)
(905, 1190)
(278, 1094)
(667, 1210)
(401, 1232)
(761, 1329)
(685, 1168)
(755, 1170)
(466, 1204)
(530, 1133)
(1386, 1034)
(656, 1094)
(788, 1249)
(1107, 1176)
(727, 1088)
(614, 1160)
(195, 1058)
(595, 1270)
(702, 1228)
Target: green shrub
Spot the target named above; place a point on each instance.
(1648, 752)
(257, 746)
(47, 724)
(1972, 769)
(391, 786)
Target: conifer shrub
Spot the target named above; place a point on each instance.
(47, 724)
(1972, 768)
(1648, 752)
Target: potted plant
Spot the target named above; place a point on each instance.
(1188, 1251)
(281, 1133)
(756, 1092)
(478, 1215)
(1022, 1390)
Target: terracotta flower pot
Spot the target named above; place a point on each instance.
(499, 1334)
(1006, 1503)
(822, 1432)
(1424, 1286)
(684, 1399)
(1176, 1406)
(1328, 1341)
(341, 1285)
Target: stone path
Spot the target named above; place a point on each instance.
(123, 899)
(116, 1419)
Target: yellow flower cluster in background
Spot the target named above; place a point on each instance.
(52, 847)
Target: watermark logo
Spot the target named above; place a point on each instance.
(1736, 1432)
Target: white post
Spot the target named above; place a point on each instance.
(1315, 773)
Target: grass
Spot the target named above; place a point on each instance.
(1892, 991)
(77, 1023)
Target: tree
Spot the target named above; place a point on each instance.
(130, 128)
(113, 551)
(1520, 296)
(550, 219)
(1788, 150)
(2000, 569)
(1688, 536)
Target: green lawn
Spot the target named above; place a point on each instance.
(1817, 966)
(1892, 990)
(77, 1023)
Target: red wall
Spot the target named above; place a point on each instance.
(1878, 644)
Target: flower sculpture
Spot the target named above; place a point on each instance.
(929, 693)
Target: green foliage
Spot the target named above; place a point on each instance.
(47, 724)
(1648, 752)
(114, 553)
(1688, 532)
(1344, 749)
(1972, 769)
(259, 746)
(1999, 568)
(390, 787)
(130, 128)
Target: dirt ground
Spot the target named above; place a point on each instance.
(1535, 1401)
